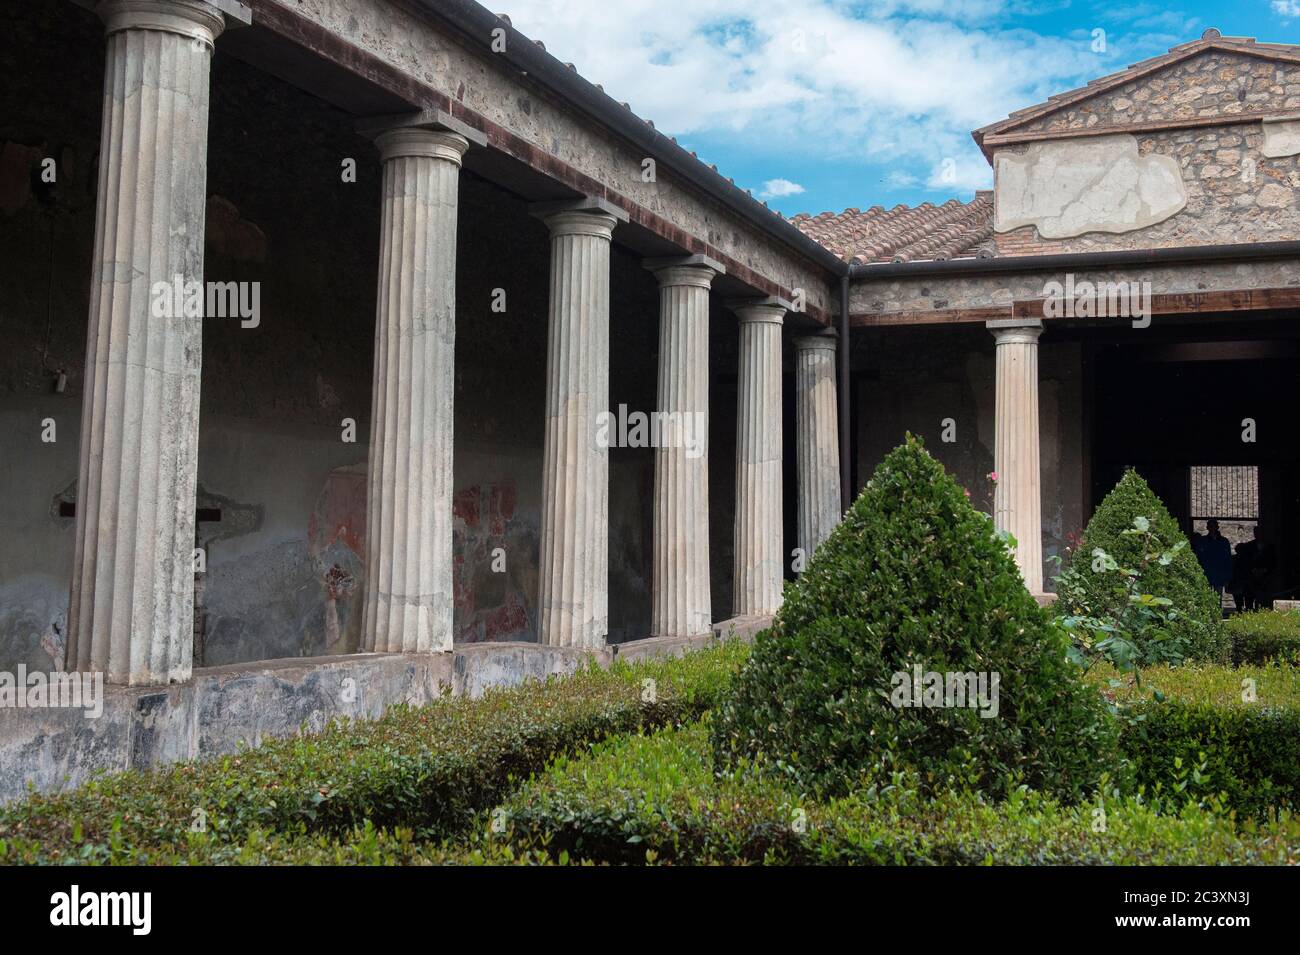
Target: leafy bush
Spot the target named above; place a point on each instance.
(364, 845)
(1092, 588)
(1265, 635)
(1143, 629)
(1247, 756)
(1201, 683)
(430, 769)
(613, 803)
(913, 575)
(656, 798)
(1212, 733)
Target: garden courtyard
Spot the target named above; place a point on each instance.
(912, 704)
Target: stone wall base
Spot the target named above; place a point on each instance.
(223, 708)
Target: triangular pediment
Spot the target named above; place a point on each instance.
(1202, 83)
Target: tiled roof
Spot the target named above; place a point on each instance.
(906, 233)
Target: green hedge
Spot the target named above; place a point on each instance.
(1264, 635)
(1200, 683)
(430, 769)
(1088, 592)
(1247, 754)
(656, 798)
(913, 581)
(1208, 731)
(364, 845)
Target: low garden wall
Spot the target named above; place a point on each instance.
(222, 709)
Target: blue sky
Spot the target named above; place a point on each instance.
(821, 105)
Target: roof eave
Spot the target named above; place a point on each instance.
(474, 24)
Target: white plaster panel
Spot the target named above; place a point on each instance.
(1067, 188)
(1281, 138)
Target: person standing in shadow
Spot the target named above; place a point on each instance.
(1250, 572)
(1215, 554)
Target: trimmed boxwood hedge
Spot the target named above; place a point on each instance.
(1200, 683)
(914, 576)
(416, 787)
(1264, 635)
(1214, 731)
(1084, 591)
(429, 769)
(1249, 754)
(364, 845)
(656, 798)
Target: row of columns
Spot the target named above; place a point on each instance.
(132, 592)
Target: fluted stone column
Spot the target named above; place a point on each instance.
(681, 604)
(574, 568)
(1017, 506)
(817, 434)
(408, 603)
(758, 545)
(132, 600)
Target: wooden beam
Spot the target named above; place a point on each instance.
(940, 316)
(1190, 122)
(1167, 303)
(1176, 303)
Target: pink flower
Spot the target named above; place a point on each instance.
(993, 475)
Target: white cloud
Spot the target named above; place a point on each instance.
(1286, 8)
(806, 79)
(1149, 16)
(779, 188)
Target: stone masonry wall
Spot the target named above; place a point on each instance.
(916, 296)
(1234, 193)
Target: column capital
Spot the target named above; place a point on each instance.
(770, 309)
(588, 215)
(421, 142)
(822, 341)
(195, 19)
(1015, 331)
(698, 271)
(431, 120)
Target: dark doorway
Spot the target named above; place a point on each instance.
(1212, 422)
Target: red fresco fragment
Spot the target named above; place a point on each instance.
(465, 505)
(462, 593)
(340, 514)
(501, 507)
(505, 621)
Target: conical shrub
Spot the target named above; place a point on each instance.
(915, 578)
(1090, 592)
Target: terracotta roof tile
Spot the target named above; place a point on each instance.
(905, 233)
